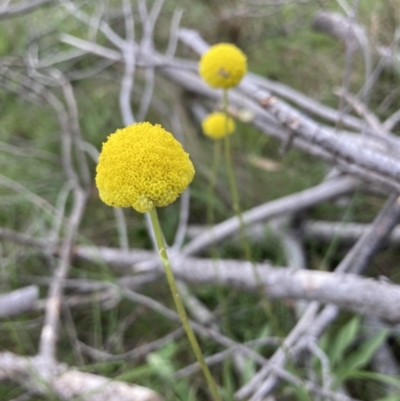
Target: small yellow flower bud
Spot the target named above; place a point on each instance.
(223, 66)
(218, 125)
(142, 166)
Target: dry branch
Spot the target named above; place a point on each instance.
(20, 9)
(359, 256)
(288, 204)
(318, 139)
(384, 360)
(347, 291)
(19, 301)
(42, 378)
(340, 27)
(353, 35)
(348, 232)
(362, 161)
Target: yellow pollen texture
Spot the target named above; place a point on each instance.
(142, 166)
(218, 125)
(223, 66)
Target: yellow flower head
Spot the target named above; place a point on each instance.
(142, 166)
(223, 66)
(217, 125)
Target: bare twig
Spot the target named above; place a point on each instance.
(347, 232)
(359, 256)
(223, 355)
(25, 151)
(307, 103)
(128, 52)
(24, 239)
(372, 239)
(392, 121)
(183, 220)
(340, 27)
(25, 192)
(279, 356)
(60, 211)
(198, 328)
(122, 230)
(345, 290)
(19, 301)
(42, 378)
(49, 335)
(105, 28)
(73, 114)
(19, 9)
(71, 330)
(134, 354)
(288, 204)
(350, 33)
(91, 47)
(347, 155)
(173, 36)
(325, 364)
(383, 361)
(294, 252)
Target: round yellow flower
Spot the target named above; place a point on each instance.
(223, 66)
(142, 166)
(218, 125)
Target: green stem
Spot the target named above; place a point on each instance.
(179, 305)
(238, 212)
(222, 301)
(212, 182)
(232, 182)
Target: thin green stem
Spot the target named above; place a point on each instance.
(179, 304)
(232, 182)
(222, 301)
(212, 182)
(238, 212)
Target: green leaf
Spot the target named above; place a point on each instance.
(391, 380)
(161, 360)
(343, 340)
(301, 394)
(359, 358)
(228, 382)
(389, 398)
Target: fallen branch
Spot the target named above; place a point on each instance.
(350, 232)
(351, 34)
(20, 9)
(43, 378)
(19, 301)
(349, 157)
(348, 291)
(356, 259)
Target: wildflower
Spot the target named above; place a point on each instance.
(218, 125)
(142, 166)
(223, 66)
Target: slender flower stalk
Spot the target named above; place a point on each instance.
(212, 182)
(179, 304)
(223, 66)
(215, 126)
(232, 184)
(143, 166)
(238, 212)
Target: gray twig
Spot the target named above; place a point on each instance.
(20, 9)
(19, 301)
